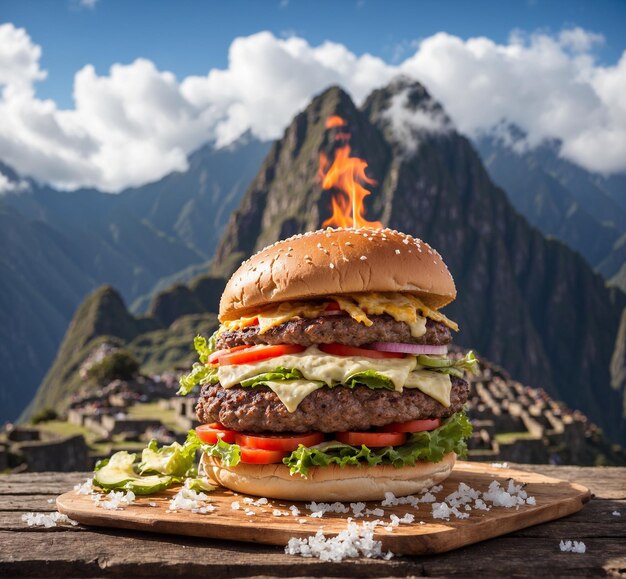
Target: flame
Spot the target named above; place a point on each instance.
(346, 175)
(335, 121)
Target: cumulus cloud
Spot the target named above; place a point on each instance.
(137, 123)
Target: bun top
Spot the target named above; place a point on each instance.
(338, 261)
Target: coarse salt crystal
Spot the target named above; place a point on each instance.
(187, 499)
(47, 520)
(295, 511)
(85, 488)
(572, 546)
(363, 258)
(115, 500)
(235, 505)
(355, 540)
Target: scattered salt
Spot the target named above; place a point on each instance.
(295, 511)
(47, 520)
(85, 488)
(572, 546)
(116, 499)
(50, 501)
(234, 506)
(616, 514)
(187, 499)
(500, 464)
(318, 509)
(356, 540)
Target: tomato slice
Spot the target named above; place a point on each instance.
(412, 426)
(261, 456)
(215, 356)
(332, 307)
(211, 433)
(343, 350)
(372, 439)
(257, 353)
(288, 442)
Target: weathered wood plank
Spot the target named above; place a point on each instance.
(124, 554)
(37, 503)
(605, 482)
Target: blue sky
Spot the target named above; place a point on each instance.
(190, 37)
(117, 93)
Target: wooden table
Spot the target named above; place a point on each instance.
(83, 552)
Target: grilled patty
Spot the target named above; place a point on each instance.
(326, 410)
(340, 329)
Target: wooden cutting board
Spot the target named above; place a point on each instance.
(554, 499)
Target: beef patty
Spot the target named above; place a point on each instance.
(340, 329)
(327, 409)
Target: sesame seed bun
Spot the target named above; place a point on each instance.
(329, 483)
(338, 261)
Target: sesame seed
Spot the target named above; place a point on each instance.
(307, 257)
(363, 258)
(405, 241)
(348, 244)
(332, 266)
(397, 252)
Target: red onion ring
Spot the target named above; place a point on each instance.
(409, 348)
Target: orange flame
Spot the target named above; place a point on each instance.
(335, 121)
(346, 175)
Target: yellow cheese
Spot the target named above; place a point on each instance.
(434, 384)
(401, 307)
(292, 392)
(318, 366)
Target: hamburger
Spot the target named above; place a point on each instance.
(329, 377)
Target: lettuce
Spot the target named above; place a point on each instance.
(369, 378)
(279, 373)
(175, 459)
(201, 373)
(229, 454)
(421, 446)
(118, 473)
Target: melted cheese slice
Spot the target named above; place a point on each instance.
(317, 366)
(401, 307)
(292, 392)
(434, 384)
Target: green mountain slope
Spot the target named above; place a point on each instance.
(58, 246)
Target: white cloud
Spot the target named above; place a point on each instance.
(137, 123)
(89, 4)
(8, 186)
(410, 123)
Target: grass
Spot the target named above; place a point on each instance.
(508, 437)
(63, 428)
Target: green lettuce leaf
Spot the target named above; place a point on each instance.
(369, 378)
(174, 459)
(200, 373)
(277, 374)
(229, 454)
(422, 446)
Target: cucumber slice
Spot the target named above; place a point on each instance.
(118, 473)
(433, 362)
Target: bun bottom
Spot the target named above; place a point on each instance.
(329, 483)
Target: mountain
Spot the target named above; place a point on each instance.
(528, 303)
(58, 246)
(161, 340)
(562, 200)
